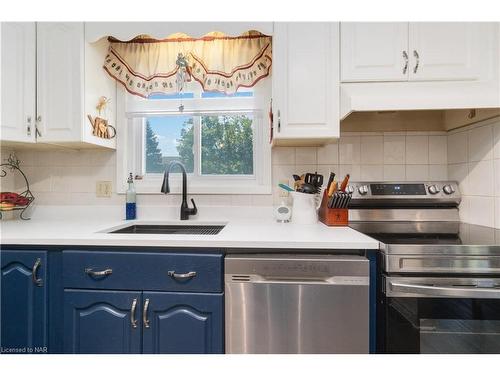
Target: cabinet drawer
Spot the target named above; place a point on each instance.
(190, 272)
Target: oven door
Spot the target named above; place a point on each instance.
(441, 315)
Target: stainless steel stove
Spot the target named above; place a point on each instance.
(439, 278)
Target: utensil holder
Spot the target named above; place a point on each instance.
(333, 217)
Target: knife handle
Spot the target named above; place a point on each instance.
(344, 183)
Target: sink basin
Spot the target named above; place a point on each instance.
(170, 229)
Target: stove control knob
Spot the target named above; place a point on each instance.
(448, 189)
(363, 189)
(433, 189)
(350, 189)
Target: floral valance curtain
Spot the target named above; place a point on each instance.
(220, 63)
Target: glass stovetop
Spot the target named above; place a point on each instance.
(429, 233)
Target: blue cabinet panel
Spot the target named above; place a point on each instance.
(142, 271)
(98, 321)
(24, 301)
(183, 323)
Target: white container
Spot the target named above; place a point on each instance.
(304, 208)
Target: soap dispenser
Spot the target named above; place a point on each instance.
(130, 206)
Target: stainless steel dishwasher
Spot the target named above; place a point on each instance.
(297, 304)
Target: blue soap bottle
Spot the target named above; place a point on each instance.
(130, 205)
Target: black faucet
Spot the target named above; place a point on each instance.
(165, 188)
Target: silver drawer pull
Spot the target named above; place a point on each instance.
(91, 272)
(145, 319)
(133, 320)
(34, 273)
(181, 276)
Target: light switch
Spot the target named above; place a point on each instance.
(103, 189)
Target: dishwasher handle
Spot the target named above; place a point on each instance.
(290, 280)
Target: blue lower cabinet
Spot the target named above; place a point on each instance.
(182, 323)
(23, 301)
(97, 321)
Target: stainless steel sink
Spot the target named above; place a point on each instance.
(170, 229)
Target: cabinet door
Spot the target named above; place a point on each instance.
(374, 51)
(18, 80)
(60, 53)
(306, 80)
(102, 321)
(183, 323)
(24, 301)
(446, 50)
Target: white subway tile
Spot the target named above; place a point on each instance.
(328, 154)
(496, 173)
(394, 172)
(482, 211)
(464, 209)
(353, 170)
(457, 148)
(417, 149)
(349, 152)
(480, 143)
(459, 173)
(305, 155)
(283, 155)
(480, 178)
(372, 172)
(372, 149)
(438, 149)
(438, 172)
(496, 140)
(417, 172)
(394, 149)
(497, 213)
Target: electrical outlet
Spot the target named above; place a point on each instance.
(103, 189)
(283, 193)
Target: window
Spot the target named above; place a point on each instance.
(222, 140)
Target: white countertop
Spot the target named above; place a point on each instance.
(246, 227)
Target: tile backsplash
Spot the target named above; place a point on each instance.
(474, 161)
(470, 155)
(393, 156)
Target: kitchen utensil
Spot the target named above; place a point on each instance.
(330, 180)
(333, 188)
(314, 179)
(344, 183)
(307, 188)
(285, 187)
(304, 208)
(296, 177)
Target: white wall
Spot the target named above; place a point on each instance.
(474, 161)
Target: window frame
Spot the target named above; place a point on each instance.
(131, 112)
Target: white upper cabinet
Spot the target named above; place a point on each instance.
(415, 51)
(305, 82)
(18, 43)
(446, 50)
(374, 51)
(60, 80)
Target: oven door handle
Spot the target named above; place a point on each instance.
(398, 289)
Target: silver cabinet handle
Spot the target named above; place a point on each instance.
(181, 276)
(279, 121)
(34, 273)
(91, 272)
(415, 54)
(405, 57)
(133, 320)
(145, 319)
(443, 291)
(28, 126)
